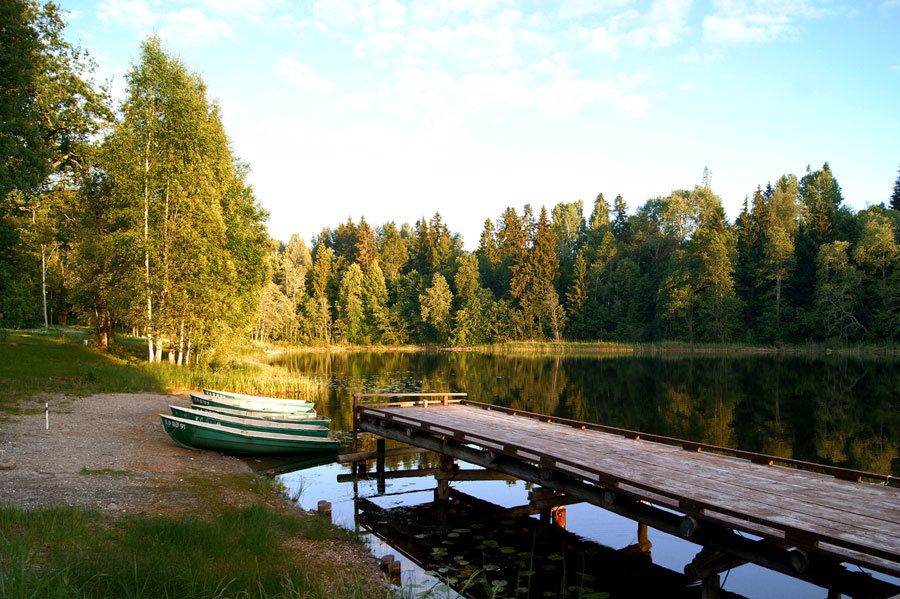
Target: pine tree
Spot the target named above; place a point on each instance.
(435, 307)
(374, 299)
(621, 226)
(350, 305)
(393, 251)
(365, 249)
(895, 196)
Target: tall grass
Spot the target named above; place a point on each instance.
(58, 362)
(65, 552)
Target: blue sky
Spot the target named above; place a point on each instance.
(395, 110)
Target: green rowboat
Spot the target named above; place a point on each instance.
(250, 424)
(248, 405)
(270, 400)
(202, 435)
(303, 418)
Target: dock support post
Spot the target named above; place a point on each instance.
(710, 587)
(443, 485)
(379, 463)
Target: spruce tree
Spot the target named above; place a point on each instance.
(895, 196)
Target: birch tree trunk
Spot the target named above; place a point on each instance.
(44, 285)
(181, 343)
(147, 251)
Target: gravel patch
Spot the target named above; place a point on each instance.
(107, 452)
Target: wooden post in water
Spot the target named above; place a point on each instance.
(324, 508)
(443, 484)
(709, 588)
(379, 463)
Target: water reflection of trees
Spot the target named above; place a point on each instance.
(836, 410)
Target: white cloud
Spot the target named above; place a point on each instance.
(302, 76)
(253, 10)
(551, 89)
(443, 10)
(571, 9)
(745, 30)
(370, 14)
(697, 57)
(661, 26)
(192, 27)
(136, 13)
(759, 21)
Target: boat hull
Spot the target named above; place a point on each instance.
(260, 398)
(201, 435)
(248, 405)
(307, 418)
(248, 424)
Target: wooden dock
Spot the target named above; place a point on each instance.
(806, 521)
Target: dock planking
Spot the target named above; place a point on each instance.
(848, 521)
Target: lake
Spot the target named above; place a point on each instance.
(837, 410)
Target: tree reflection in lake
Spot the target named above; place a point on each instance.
(839, 410)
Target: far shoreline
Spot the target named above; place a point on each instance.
(593, 347)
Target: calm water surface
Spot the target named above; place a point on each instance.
(835, 410)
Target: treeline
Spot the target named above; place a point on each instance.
(135, 218)
(796, 266)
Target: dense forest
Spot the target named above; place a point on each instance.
(138, 218)
(796, 266)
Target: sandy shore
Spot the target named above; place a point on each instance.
(107, 452)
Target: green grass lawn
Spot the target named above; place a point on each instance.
(66, 552)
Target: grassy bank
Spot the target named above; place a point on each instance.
(65, 552)
(57, 361)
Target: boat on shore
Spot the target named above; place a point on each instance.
(251, 424)
(192, 434)
(271, 400)
(310, 418)
(249, 405)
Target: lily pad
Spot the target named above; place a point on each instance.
(555, 557)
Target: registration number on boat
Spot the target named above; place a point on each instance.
(171, 424)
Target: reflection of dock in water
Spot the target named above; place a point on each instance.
(484, 550)
(806, 524)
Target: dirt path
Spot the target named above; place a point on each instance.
(107, 452)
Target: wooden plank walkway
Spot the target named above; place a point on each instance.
(854, 522)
